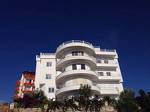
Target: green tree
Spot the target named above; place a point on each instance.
(40, 100)
(18, 104)
(84, 97)
(96, 104)
(143, 101)
(108, 101)
(70, 103)
(53, 105)
(37, 99)
(126, 102)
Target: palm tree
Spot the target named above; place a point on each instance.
(126, 102)
(96, 104)
(70, 103)
(84, 97)
(53, 105)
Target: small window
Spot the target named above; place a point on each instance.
(74, 53)
(77, 53)
(41, 85)
(48, 64)
(27, 87)
(80, 53)
(50, 90)
(100, 74)
(98, 60)
(48, 76)
(28, 81)
(108, 73)
(83, 66)
(74, 67)
(106, 61)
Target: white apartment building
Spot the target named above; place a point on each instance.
(78, 62)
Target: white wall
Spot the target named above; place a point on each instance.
(42, 70)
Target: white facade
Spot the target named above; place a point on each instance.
(78, 62)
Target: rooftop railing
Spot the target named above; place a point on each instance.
(74, 41)
(108, 50)
(47, 53)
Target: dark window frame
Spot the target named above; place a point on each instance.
(74, 66)
(82, 66)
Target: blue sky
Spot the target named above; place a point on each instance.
(30, 27)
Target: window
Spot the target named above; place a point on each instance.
(50, 90)
(100, 74)
(74, 53)
(28, 81)
(80, 53)
(77, 53)
(83, 66)
(27, 88)
(108, 73)
(48, 76)
(106, 61)
(41, 85)
(74, 67)
(98, 60)
(48, 64)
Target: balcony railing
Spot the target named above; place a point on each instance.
(67, 57)
(76, 87)
(28, 84)
(108, 50)
(84, 72)
(27, 91)
(109, 90)
(74, 41)
(47, 53)
(44, 54)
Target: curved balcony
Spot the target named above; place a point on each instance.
(65, 90)
(74, 43)
(75, 73)
(73, 59)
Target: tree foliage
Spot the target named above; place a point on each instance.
(86, 101)
(143, 100)
(126, 102)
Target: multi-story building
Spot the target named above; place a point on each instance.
(78, 62)
(25, 84)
